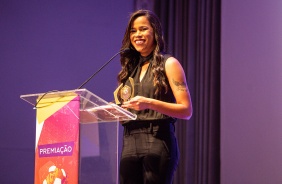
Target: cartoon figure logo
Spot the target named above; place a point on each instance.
(55, 176)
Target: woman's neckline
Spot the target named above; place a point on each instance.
(144, 59)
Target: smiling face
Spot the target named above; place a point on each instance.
(142, 36)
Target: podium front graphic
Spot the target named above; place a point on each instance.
(76, 137)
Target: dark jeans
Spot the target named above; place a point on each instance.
(148, 157)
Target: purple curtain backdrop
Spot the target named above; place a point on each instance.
(51, 45)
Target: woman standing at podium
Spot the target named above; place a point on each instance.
(152, 86)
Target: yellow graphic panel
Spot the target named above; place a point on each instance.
(47, 107)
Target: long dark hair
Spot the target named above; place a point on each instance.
(130, 59)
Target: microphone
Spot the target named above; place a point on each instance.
(121, 51)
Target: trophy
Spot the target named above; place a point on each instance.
(124, 92)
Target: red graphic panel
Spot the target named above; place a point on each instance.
(57, 150)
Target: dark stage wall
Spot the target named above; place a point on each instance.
(51, 45)
(251, 92)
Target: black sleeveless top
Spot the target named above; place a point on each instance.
(146, 88)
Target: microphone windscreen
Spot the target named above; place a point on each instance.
(125, 50)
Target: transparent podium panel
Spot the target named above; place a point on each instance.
(77, 137)
(99, 153)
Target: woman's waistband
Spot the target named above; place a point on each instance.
(149, 126)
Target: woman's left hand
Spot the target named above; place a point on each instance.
(137, 103)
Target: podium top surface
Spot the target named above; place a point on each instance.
(34, 98)
(92, 108)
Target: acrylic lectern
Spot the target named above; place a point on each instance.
(76, 137)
